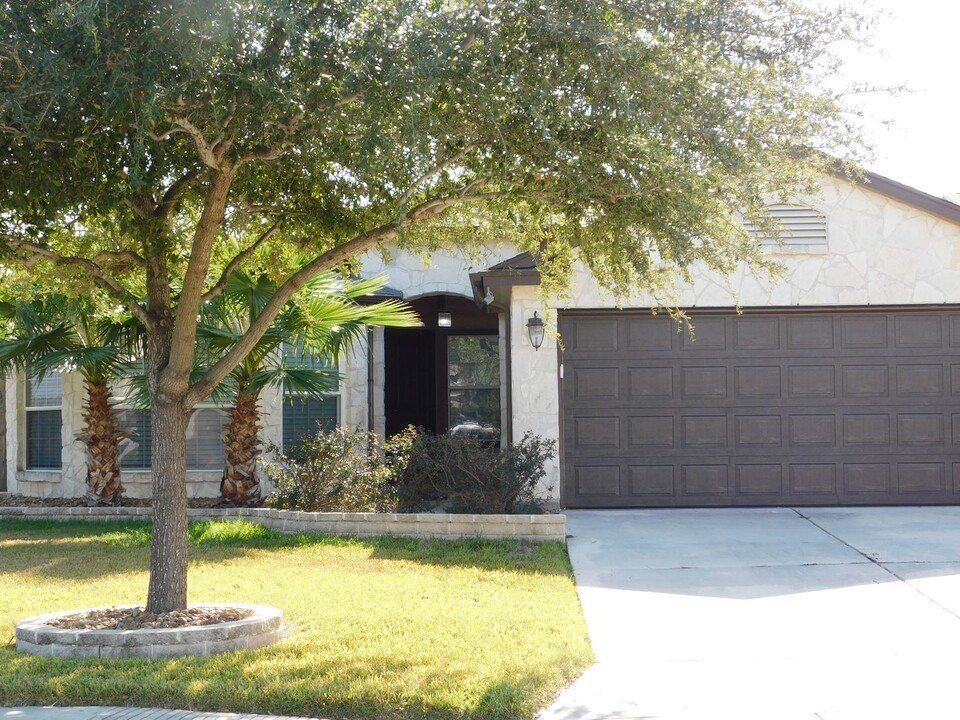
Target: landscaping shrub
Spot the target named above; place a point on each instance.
(338, 471)
(415, 471)
(465, 475)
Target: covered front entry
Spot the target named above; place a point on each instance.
(444, 377)
(785, 407)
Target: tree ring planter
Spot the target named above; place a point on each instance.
(35, 637)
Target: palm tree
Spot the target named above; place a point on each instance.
(56, 333)
(323, 322)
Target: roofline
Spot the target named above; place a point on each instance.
(943, 209)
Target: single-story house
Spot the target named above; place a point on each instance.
(837, 383)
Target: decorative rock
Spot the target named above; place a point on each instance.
(35, 636)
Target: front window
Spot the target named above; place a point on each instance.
(43, 410)
(304, 416)
(203, 443)
(473, 386)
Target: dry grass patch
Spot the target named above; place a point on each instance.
(386, 628)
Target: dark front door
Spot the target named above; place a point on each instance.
(444, 377)
(410, 385)
(813, 407)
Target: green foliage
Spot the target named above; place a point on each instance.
(322, 323)
(148, 149)
(57, 333)
(339, 470)
(656, 120)
(466, 476)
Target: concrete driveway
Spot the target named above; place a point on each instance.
(771, 614)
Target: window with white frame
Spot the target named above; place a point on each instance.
(204, 444)
(204, 427)
(43, 399)
(304, 416)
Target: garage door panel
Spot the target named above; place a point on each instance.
(866, 429)
(703, 431)
(596, 383)
(761, 333)
(817, 408)
(813, 431)
(598, 481)
(865, 479)
(702, 383)
(650, 334)
(864, 331)
(760, 480)
(708, 479)
(860, 381)
(651, 432)
(758, 382)
(920, 380)
(597, 432)
(651, 383)
(808, 479)
(652, 481)
(812, 381)
(708, 335)
(918, 331)
(920, 429)
(810, 333)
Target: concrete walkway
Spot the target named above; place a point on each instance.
(771, 614)
(123, 713)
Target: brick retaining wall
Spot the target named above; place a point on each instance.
(422, 525)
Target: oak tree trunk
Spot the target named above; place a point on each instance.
(168, 552)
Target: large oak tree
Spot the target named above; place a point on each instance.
(152, 147)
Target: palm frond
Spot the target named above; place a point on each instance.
(292, 380)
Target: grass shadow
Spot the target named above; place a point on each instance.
(56, 548)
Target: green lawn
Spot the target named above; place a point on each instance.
(386, 628)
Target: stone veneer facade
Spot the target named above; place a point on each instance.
(879, 251)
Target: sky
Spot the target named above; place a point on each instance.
(915, 43)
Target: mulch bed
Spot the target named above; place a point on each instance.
(139, 619)
(22, 501)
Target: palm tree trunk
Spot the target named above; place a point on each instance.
(240, 484)
(101, 437)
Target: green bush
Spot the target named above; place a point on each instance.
(338, 471)
(355, 471)
(465, 475)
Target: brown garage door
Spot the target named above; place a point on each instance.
(766, 408)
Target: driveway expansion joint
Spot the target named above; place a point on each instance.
(873, 559)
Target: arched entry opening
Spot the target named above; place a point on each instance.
(444, 377)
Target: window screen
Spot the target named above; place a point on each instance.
(303, 417)
(43, 421)
(204, 445)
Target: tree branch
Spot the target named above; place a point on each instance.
(173, 193)
(289, 128)
(120, 256)
(102, 279)
(433, 172)
(293, 284)
(183, 337)
(238, 260)
(207, 155)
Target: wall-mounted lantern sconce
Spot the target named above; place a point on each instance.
(535, 330)
(444, 319)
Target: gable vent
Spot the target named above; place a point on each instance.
(800, 226)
